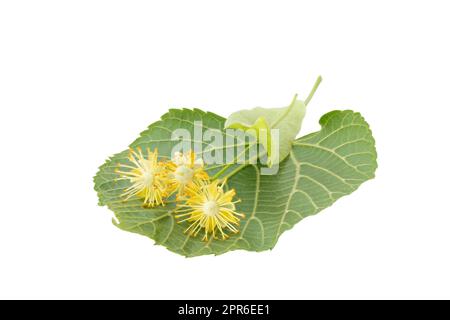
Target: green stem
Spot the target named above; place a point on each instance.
(221, 171)
(313, 90)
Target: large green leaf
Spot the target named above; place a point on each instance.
(321, 168)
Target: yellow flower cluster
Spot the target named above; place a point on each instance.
(203, 203)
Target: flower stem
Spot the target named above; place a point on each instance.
(224, 169)
(313, 90)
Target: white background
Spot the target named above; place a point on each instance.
(80, 79)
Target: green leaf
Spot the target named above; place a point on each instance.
(321, 168)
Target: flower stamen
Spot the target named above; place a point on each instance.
(146, 175)
(184, 171)
(210, 208)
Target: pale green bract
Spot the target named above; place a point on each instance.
(261, 122)
(321, 168)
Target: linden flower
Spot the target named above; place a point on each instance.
(184, 171)
(210, 208)
(147, 177)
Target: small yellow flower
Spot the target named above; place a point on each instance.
(147, 177)
(184, 171)
(211, 208)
